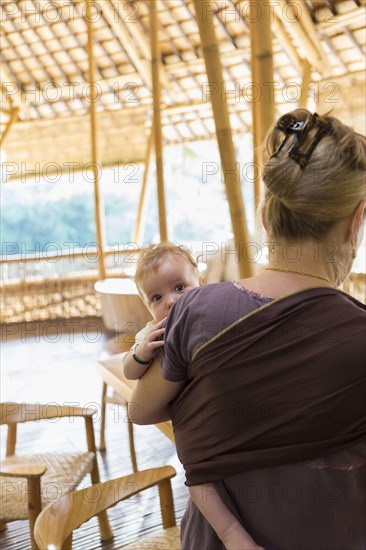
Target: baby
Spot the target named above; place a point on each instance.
(165, 272)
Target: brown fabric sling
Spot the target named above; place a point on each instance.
(286, 383)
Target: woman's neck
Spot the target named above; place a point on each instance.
(324, 262)
(293, 267)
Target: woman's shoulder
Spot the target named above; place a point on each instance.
(202, 298)
(351, 301)
(225, 300)
(212, 291)
(333, 303)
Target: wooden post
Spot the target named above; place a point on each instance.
(306, 78)
(14, 96)
(230, 167)
(311, 32)
(263, 107)
(298, 24)
(158, 134)
(140, 221)
(13, 118)
(11, 440)
(34, 505)
(98, 199)
(257, 132)
(284, 39)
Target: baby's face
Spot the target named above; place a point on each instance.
(162, 288)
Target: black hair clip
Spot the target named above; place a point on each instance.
(299, 149)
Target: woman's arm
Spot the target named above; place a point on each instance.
(151, 396)
(153, 393)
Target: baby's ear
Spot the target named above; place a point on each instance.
(202, 281)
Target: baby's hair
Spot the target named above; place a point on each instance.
(302, 203)
(155, 254)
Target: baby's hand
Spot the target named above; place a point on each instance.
(145, 348)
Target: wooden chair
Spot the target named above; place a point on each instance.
(28, 483)
(56, 523)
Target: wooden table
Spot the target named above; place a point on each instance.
(122, 307)
(111, 371)
(123, 312)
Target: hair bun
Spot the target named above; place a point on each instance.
(306, 202)
(281, 176)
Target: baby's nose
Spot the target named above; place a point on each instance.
(171, 301)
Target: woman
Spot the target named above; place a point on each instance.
(264, 379)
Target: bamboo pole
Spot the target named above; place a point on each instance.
(257, 151)
(158, 133)
(98, 199)
(223, 131)
(312, 32)
(13, 95)
(13, 118)
(141, 213)
(115, 21)
(257, 131)
(284, 39)
(263, 77)
(262, 59)
(306, 79)
(291, 15)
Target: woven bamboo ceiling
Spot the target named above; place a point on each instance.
(45, 62)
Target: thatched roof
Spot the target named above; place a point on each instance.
(45, 70)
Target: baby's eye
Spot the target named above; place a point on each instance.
(180, 287)
(156, 298)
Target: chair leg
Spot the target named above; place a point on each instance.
(67, 544)
(105, 529)
(11, 439)
(131, 440)
(102, 446)
(106, 532)
(34, 505)
(166, 503)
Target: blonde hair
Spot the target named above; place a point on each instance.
(155, 254)
(302, 203)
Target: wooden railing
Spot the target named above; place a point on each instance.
(45, 265)
(59, 285)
